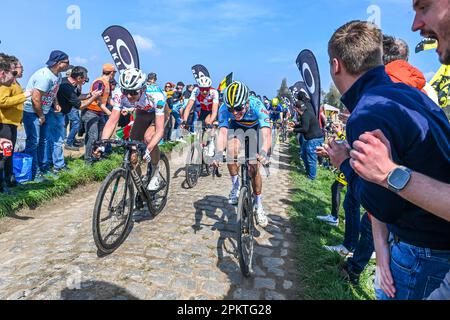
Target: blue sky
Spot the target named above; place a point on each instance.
(257, 40)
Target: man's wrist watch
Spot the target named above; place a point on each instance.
(399, 178)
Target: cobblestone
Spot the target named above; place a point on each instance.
(188, 252)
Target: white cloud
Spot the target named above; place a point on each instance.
(80, 60)
(143, 43)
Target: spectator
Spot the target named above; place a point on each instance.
(93, 118)
(180, 87)
(169, 90)
(7, 72)
(178, 106)
(395, 58)
(310, 128)
(12, 99)
(70, 99)
(44, 85)
(420, 249)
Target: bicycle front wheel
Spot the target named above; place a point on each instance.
(159, 198)
(113, 211)
(193, 167)
(245, 224)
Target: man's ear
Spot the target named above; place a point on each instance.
(336, 66)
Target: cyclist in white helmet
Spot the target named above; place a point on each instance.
(149, 102)
(243, 114)
(208, 98)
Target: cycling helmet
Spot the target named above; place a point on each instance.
(275, 102)
(132, 79)
(236, 95)
(204, 82)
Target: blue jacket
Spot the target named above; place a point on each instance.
(419, 133)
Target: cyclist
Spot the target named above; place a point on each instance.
(276, 115)
(241, 111)
(149, 102)
(208, 98)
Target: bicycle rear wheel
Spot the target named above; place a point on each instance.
(159, 198)
(193, 167)
(245, 231)
(113, 211)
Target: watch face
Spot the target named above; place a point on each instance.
(399, 179)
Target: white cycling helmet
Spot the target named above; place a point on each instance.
(132, 79)
(204, 82)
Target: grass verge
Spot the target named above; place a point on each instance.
(318, 269)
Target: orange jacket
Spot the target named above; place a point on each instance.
(402, 71)
(103, 99)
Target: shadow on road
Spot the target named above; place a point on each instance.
(97, 290)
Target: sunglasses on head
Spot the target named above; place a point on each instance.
(130, 92)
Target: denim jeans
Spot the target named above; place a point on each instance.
(309, 156)
(56, 135)
(352, 220)
(36, 144)
(94, 124)
(73, 119)
(364, 249)
(176, 127)
(416, 271)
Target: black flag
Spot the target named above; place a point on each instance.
(200, 71)
(296, 88)
(307, 64)
(122, 47)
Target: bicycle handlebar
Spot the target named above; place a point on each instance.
(121, 143)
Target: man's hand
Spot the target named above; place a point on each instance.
(321, 152)
(3, 141)
(217, 160)
(371, 157)
(263, 157)
(97, 152)
(338, 151)
(58, 108)
(41, 120)
(96, 93)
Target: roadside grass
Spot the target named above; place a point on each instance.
(318, 269)
(32, 195)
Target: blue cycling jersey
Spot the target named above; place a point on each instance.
(256, 116)
(275, 113)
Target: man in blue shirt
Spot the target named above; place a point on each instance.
(240, 116)
(418, 258)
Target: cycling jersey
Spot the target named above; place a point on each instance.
(152, 100)
(275, 113)
(256, 116)
(206, 101)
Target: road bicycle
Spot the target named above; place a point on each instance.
(125, 190)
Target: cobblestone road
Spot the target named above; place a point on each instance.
(187, 252)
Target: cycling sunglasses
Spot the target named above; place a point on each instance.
(236, 109)
(130, 92)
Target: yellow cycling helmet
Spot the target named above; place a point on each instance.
(275, 102)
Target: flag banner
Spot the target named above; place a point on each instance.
(226, 82)
(122, 47)
(309, 69)
(200, 71)
(426, 44)
(441, 83)
(296, 88)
